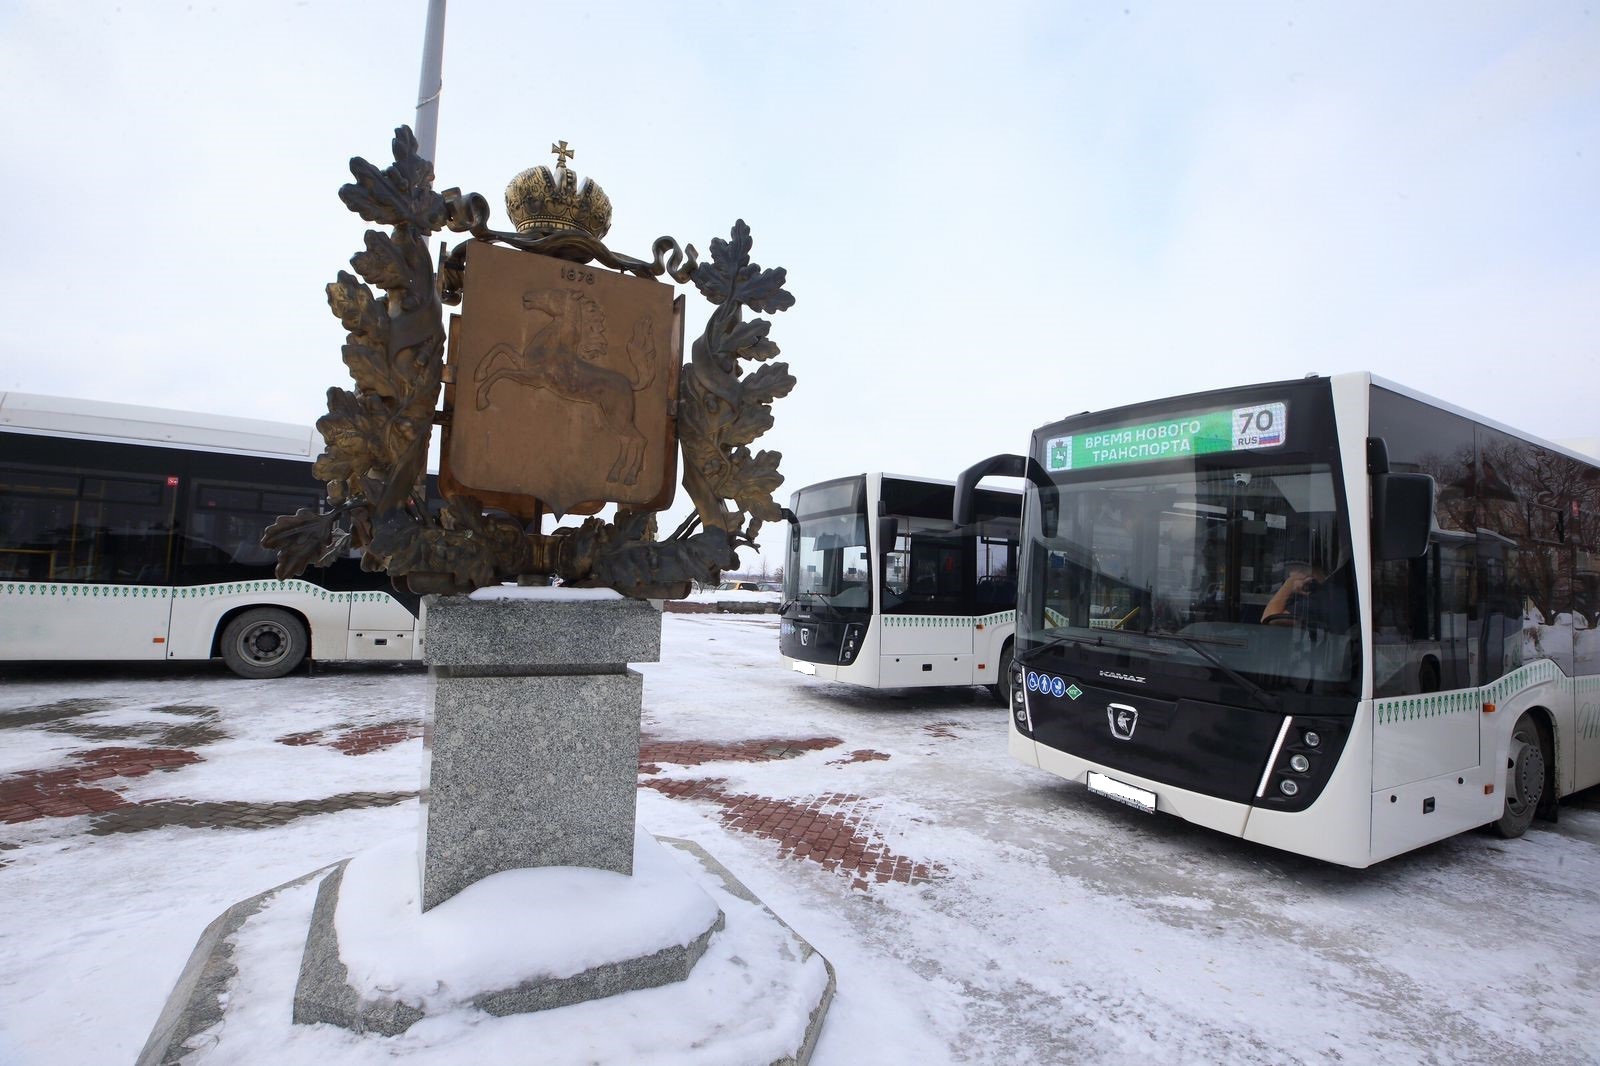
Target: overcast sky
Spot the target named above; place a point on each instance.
(993, 215)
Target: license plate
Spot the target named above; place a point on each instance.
(1101, 785)
(806, 668)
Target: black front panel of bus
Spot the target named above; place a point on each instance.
(813, 640)
(1202, 747)
(1215, 749)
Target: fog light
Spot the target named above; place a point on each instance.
(1288, 788)
(1299, 763)
(1022, 716)
(851, 643)
(1311, 739)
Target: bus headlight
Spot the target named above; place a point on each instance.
(1299, 763)
(1288, 788)
(851, 644)
(1019, 697)
(1311, 739)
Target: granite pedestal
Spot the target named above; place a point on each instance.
(532, 735)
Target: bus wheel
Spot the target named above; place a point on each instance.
(263, 642)
(1525, 782)
(1001, 689)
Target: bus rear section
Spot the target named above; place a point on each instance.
(882, 589)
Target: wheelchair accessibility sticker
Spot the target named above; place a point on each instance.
(1048, 685)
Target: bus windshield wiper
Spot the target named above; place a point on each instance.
(1098, 640)
(1262, 696)
(1055, 641)
(820, 597)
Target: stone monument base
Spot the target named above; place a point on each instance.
(739, 985)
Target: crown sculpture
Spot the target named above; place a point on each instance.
(540, 201)
(563, 393)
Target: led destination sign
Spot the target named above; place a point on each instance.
(1264, 425)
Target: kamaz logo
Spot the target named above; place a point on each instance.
(805, 637)
(1113, 675)
(1123, 719)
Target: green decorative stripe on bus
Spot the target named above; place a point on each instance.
(133, 592)
(1440, 704)
(923, 621)
(248, 588)
(69, 591)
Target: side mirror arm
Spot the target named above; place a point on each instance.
(1006, 465)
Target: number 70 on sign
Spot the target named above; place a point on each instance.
(1263, 426)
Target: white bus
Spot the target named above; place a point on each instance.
(1330, 615)
(134, 533)
(881, 589)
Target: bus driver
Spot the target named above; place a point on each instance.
(1301, 581)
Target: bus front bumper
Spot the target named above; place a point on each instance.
(821, 671)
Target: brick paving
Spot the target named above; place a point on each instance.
(136, 818)
(834, 830)
(861, 755)
(86, 786)
(695, 752)
(360, 741)
(66, 791)
(59, 711)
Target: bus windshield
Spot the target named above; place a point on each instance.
(830, 566)
(1231, 568)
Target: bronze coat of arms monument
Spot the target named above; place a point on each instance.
(564, 392)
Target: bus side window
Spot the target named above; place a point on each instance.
(123, 531)
(997, 574)
(35, 514)
(897, 563)
(936, 570)
(224, 526)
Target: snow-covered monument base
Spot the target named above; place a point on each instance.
(530, 888)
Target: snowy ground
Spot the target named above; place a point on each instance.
(1051, 926)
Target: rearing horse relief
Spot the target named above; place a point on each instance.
(560, 356)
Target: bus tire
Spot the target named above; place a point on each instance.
(264, 642)
(1001, 689)
(1525, 777)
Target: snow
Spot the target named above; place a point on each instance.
(1056, 926)
(734, 596)
(514, 926)
(658, 1026)
(543, 592)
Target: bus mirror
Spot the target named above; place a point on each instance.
(1402, 515)
(1006, 466)
(1377, 455)
(967, 484)
(888, 532)
(789, 517)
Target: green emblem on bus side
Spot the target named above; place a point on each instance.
(1074, 691)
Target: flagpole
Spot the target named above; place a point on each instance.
(431, 82)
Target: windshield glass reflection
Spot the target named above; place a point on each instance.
(1243, 570)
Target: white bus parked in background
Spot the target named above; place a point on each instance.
(882, 589)
(1330, 615)
(131, 533)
